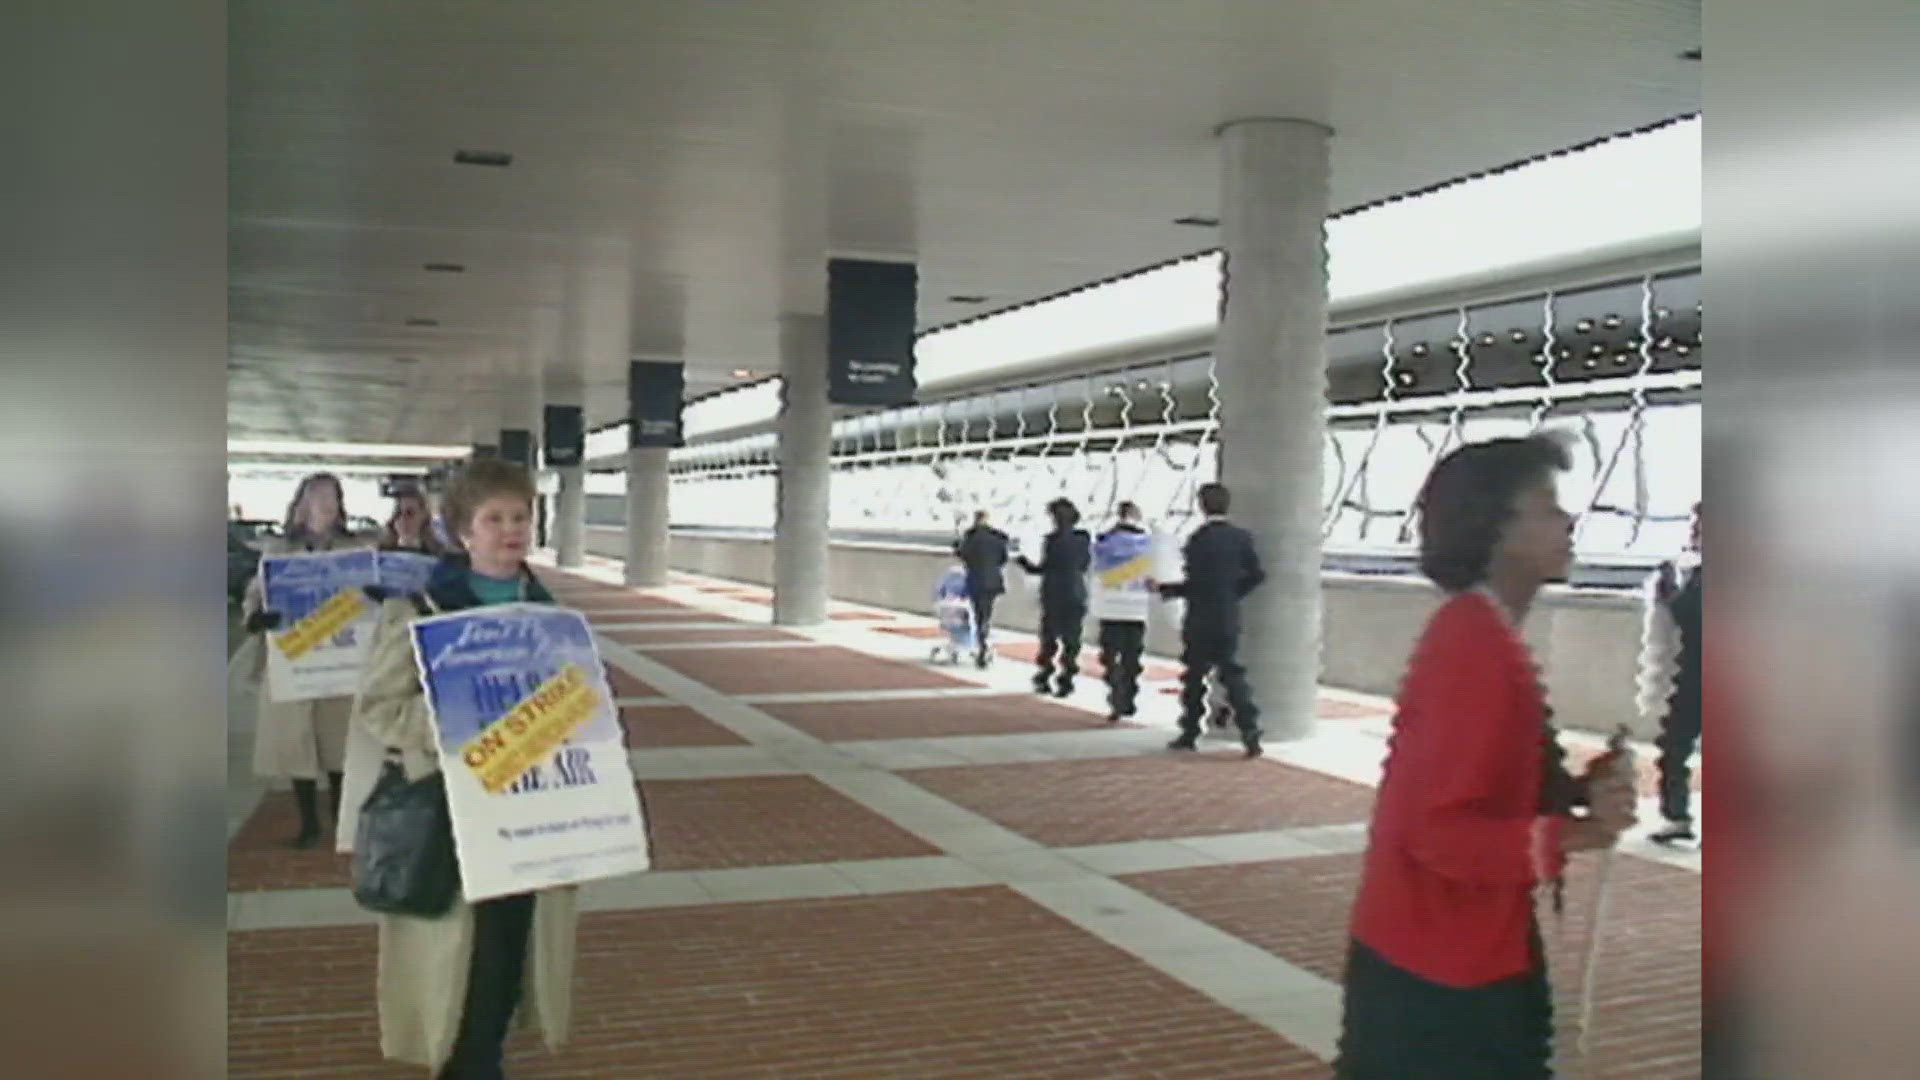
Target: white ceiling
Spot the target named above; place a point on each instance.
(682, 170)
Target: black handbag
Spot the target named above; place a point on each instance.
(403, 857)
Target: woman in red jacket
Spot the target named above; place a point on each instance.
(1475, 810)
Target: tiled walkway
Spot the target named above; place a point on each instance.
(866, 866)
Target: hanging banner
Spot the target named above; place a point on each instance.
(326, 622)
(516, 445)
(871, 319)
(654, 391)
(536, 770)
(1123, 563)
(564, 431)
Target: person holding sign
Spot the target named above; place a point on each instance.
(1062, 570)
(1123, 567)
(411, 526)
(300, 739)
(450, 987)
(1222, 569)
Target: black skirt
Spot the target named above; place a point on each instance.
(1399, 1026)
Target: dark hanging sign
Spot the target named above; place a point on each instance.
(485, 450)
(870, 326)
(566, 436)
(516, 445)
(394, 485)
(654, 392)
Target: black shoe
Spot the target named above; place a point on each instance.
(1676, 832)
(1041, 687)
(1064, 690)
(980, 660)
(1185, 742)
(1253, 749)
(1115, 717)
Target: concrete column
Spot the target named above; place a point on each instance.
(646, 516)
(806, 442)
(1271, 356)
(569, 525)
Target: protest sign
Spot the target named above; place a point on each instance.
(536, 769)
(326, 622)
(403, 573)
(1123, 563)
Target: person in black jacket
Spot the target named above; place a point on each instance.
(1222, 569)
(983, 551)
(1063, 570)
(1123, 641)
(1680, 729)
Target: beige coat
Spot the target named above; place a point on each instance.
(299, 739)
(422, 983)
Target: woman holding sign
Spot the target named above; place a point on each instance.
(302, 739)
(450, 987)
(411, 526)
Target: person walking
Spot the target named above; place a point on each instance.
(301, 740)
(1122, 609)
(983, 550)
(1222, 570)
(1062, 569)
(1680, 726)
(1446, 977)
(449, 988)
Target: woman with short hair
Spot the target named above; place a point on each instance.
(1446, 979)
(450, 987)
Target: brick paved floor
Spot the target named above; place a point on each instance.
(626, 684)
(1647, 1001)
(641, 637)
(809, 669)
(928, 718)
(765, 821)
(1104, 801)
(258, 858)
(662, 727)
(953, 983)
(617, 616)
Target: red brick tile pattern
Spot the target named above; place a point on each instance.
(618, 616)
(258, 858)
(1161, 797)
(1647, 1014)
(859, 987)
(924, 718)
(625, 684)
(799, 670)
(765, 821)
(641, 637)
(663, 727)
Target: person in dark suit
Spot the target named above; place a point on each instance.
(1222, 569)
(1062, 570)
(1680, 729)
(983, 551)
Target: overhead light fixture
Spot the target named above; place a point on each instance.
(497, 159)
(444, 268)
(335, 449)
(742, 373)
(967, 298)
(1198, 221)
(423, 322)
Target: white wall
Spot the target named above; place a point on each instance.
(1588, 643)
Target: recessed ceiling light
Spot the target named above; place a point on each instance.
(444, 268)
(967, 298)
(742, 373)
(423, 322)
(1199, 221)
(498, 159)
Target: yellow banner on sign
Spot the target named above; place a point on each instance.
(531, 730)
(1126, 573)
(325, 621)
